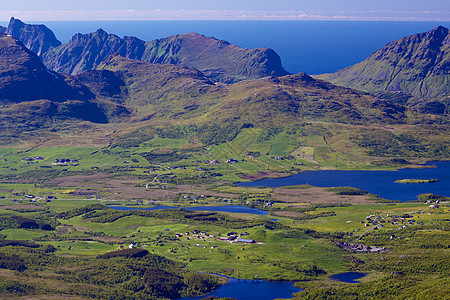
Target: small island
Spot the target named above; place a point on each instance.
(416, 180)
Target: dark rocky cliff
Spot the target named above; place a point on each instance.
(37, 38)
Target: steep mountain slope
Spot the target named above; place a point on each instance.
(23, 77)
(37, 38)
(2, 29)
(170, 92)
(217, 59)
(165, 91)
(32, 94)
(418, 65)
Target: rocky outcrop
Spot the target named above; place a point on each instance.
(37, 38)
(418, 65)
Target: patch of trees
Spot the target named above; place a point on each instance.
(309, 212)
(271, 225)
(172, 286)
(122, 277)
(26, 223)
(270, 132)
(183, 215)
(347, 190)
(4, 243)
(306, 270)
(128, 253)
(7, 222)
(165, 284)
(165, 157)
(79, 211)
(12, 262)
(432, 197)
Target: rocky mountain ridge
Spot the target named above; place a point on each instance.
(217, 59)
(417, 65)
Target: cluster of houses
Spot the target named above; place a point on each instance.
(131, 246)
(377, 221)
(231, 236)
(214, 161)
(232, 161)
(358, 247)
(63, 161)
(32, 160)
(433, 205)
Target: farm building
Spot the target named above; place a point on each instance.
(246, 241)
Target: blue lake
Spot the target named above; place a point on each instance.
(380, 183)
(225, 208)
(349, 277)
(252, 289)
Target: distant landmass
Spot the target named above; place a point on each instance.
(416, 66)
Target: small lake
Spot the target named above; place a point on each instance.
(349, 277)
(252, 289)
(225, 208)
(380, 183)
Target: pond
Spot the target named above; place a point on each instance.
(224, 208)
(380, 183)
(252, 289)
(349, 277)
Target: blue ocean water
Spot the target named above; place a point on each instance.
(314, 47)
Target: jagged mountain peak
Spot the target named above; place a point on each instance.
(37, 38)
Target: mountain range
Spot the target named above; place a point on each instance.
(100, 77)
(217, 59)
